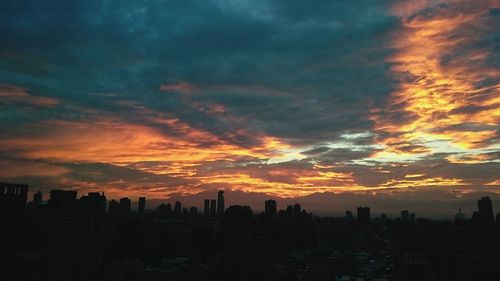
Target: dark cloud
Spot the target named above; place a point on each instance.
(261, 78)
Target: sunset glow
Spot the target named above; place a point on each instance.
(412, 104)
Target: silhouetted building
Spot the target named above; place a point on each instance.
(125, 205)
(61, 198)
(348, 215)
(141, 206)
(193, 211)
(460, 216)
(113, 207)
(270, 208)
(213, 208)
(383, 218)
(485, 210)
(412, 217)
(238, 248)
(220, 203)
(206, 207)
(297, 209)
(163, 211)
(75, 236)
(178, 208)
(12, 211)
(405, 216)
(364, 214)
(37, 198)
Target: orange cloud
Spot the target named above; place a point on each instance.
(441, 98)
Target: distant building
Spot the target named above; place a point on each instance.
(383, 217)
(270, 208)
(141, 206)
(460, 216)
(163, 211)
(348, 215)
(412, 217)
(297, 209)
(125, 205)
(405, 216)
(364, 214)
(213, 207)
(13, 199)
(220, 203)
(485, 210)
(178, 208)
(193, 211)
(113, 208)
(37, 198)
(206, 208)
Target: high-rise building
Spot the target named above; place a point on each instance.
(485, 210)
(75, 231)
(163, 211)
(178, 208)
(206, 208)
(125, 205)
(220, 203)
(141, 205)
(213, 206)
(297, 209)
(37, 198)
(405, 216)
(364, 214)
(113, 207)
(12, 211)
(270, 208)
(348, 215)
(460, 216)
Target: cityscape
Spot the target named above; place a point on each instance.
(250, 140)
(87, 237)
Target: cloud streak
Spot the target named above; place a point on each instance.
(279, 98)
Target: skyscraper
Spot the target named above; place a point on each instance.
(113, 208)
(206, 209)
(220, 203)
(178, 208)
(37, 198)
(405, 216)
(213, 206)
(270, 207)
(297, 209)
(12, 209)
(141, 206)
(364, 214)
(485, 210)
(125, 205)
(75, 229)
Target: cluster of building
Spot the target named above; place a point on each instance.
(90, 238)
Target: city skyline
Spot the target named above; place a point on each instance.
(214, 206)
(336, 105)
(83, 239)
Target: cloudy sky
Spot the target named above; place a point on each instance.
(285, 98)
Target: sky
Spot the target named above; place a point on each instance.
(285, 99)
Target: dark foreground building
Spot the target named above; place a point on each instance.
(12, 215)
